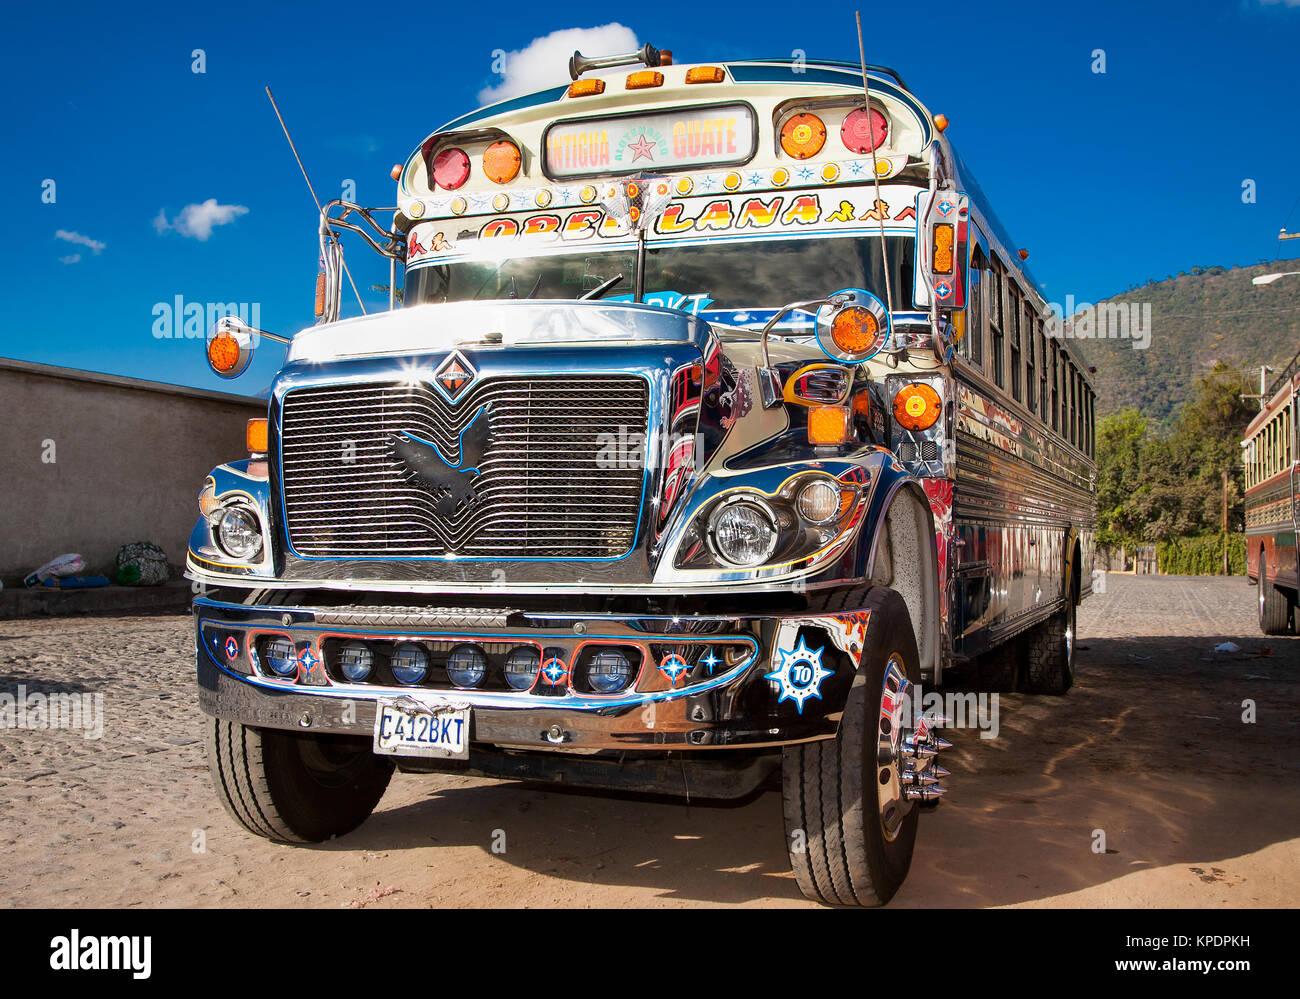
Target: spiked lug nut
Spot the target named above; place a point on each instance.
(939, 772)
(922, 778)
(933, 719)
(941, 744)
(919, 749)
(932, 793)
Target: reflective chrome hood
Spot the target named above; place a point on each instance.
(424, 329)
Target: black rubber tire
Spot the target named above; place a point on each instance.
(294, 787)
(1049, 651)
(1001, 669)
(829, 788)
(1274, 605)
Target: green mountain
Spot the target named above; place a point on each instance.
(1211, 314)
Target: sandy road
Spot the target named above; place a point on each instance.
(1198, 808)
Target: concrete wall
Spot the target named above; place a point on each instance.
(129, 459)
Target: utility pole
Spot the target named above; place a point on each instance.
(1225, 522)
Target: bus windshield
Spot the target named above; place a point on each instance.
(719, 277)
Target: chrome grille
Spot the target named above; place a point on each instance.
(547, 488)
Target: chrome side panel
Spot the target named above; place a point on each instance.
(1021, 505)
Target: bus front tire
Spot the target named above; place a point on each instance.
(849, 832)
(294, 787)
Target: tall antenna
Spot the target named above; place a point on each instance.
(875, 174)
(312, 190)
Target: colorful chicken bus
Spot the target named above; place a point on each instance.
(717, 418)
(1269, 454)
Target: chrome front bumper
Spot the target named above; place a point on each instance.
(742, 701)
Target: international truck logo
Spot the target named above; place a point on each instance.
(451, 481)
(454, 375)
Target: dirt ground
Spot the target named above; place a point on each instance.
(1197, 807)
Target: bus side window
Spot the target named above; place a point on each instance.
(972, 344)
(1056, 386)
(997, 347)
(1013, 337)
(1042, 369)
(1031, 355)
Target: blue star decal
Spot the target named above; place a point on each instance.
(805, 173)
(709, 660)
(307, 659)
(800, 674)
(673, 666)
(755, 178)
(554, 671)
(232, 647)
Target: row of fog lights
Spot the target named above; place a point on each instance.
(608, 671)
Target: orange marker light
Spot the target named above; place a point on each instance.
(916, 407)
(223, 352)
(255, 436)
(320, 300)
(396, 172)
(941, 121)
(943, 248)
(803, 135)
(643, 80)
(705, 74)
(854, 330)
(501, 162)
(586, 88)
(829, 424)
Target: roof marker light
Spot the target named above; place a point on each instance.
(705, 74)
(586, 88)
(643, 80)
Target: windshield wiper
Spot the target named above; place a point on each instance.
(600, 289)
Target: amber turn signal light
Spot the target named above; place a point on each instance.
(854, 330)
(916, 407)
(255, 436)
(223, 352)
(501, 162)
(803, 135)
(829, 424)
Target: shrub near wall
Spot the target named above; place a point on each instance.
(1201, 555)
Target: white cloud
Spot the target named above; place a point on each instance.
(70, 259)
(197, 221)
(79, 239)
(544, 62)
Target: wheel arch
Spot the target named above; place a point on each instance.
(903, 555)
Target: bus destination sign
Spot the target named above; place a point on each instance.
(662, 140)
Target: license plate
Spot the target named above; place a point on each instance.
(413, 729)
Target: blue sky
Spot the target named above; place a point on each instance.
(1109, 179)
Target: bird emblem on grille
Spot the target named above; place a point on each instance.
(452, 482)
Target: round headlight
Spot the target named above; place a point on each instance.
(356, 661)
(743, 533)
(410, 663)
(819, 501)
(282, 657)
(608, 671)
(466, 665)
(239, 532)
(521, 667)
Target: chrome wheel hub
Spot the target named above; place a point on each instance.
(906, 748)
